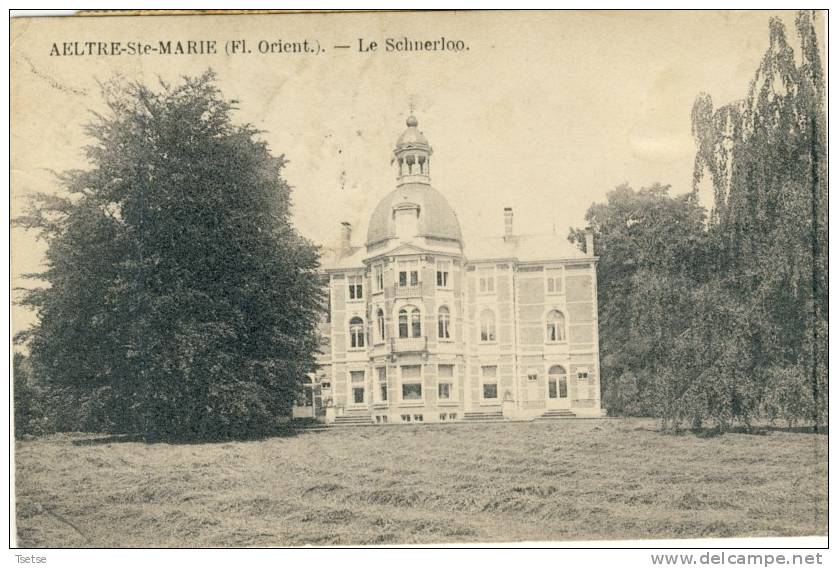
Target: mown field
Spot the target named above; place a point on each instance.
(567, 480)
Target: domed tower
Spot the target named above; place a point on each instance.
(413, 212)
(413, 155)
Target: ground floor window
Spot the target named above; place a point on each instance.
(412, 391)
(357, 379)
(382, 384)
(489, 375)
(557, 382)
(411, 382)
(446, 382)
(358, 395)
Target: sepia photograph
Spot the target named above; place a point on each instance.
(402, 278)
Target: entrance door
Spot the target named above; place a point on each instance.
(557, 395)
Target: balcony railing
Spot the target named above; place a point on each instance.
(408, 344)
(414, 291)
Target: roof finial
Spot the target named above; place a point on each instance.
(411, 120)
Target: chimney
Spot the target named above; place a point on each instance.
(345, 236)
(507, 222)
(589, 241)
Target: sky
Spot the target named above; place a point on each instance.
(544, 113)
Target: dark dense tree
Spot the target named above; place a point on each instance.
(30, 405)
(653, 251)
(180, 299)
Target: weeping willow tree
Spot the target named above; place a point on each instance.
(766, 158)
(726, 322)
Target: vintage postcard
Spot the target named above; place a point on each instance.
(418, 278)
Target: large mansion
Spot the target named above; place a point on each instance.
(424, 327)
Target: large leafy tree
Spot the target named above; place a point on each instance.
(653, 250)
(180, 300)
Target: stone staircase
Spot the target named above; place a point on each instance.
(354, 418)
(484, 416)
(557, 414)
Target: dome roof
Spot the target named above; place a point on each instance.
(436, 216)
(412, 136)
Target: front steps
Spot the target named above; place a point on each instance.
(354, 418)
(484, 416)
(557, 414)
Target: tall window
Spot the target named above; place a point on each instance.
(382, 384)
(409, 273)
(357, 380)
(378, 277)
(487, 326)
(486, 281)
(415, 323)
(557, 382)
(554, 281)
(379, 324)
(412, 382)
(410, 322)
(356, 287)
(555, 327)
(442, 269)
(356, 333)
(443, 323)
(489, 376)
(445, 388)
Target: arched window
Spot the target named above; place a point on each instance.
(557, 382)
(555, 327)
(379, 321)
(487, 326)
(443, 323)
(416, 323)
(356, 333)
(410, 322)
(403, 323)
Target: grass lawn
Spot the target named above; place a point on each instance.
(564, 480)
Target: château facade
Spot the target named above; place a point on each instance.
(425, 327)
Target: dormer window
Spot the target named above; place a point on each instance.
(406, 217)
